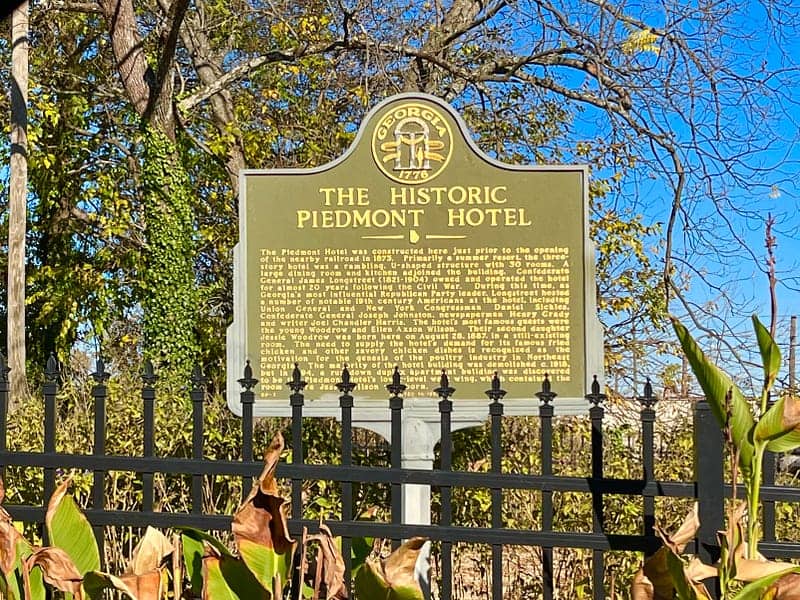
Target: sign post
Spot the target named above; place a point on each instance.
(415, 249)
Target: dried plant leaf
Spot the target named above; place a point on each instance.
(9, 540)
(58, 570)
(333, 567)
(149, 553)
(398, 568)
(655, 580)
(261, 518)
(786, 588)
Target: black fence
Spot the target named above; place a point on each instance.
(708, 487)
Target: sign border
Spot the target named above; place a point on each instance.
(377, 410)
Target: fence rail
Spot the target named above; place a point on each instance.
(708, 486)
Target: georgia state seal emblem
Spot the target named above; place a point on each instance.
(412, 142)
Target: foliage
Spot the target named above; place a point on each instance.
(261, 570)
(169, 298)
(775, 428)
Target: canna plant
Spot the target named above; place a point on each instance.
(741, 572)
(261, 568)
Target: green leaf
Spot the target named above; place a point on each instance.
(779, 428)
(265, 563)
(370, 585)
(95, 582)
(193, 550)
(227, 578)
(770, 353)
(359, 550)
(716, 386)
(69, 530)
(755, 589)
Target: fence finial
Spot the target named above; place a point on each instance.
(444, 390)
(149, 376)
(345, 386)
(100, 375)
(248, 382)
(495, 393)
(545, 395)
(396, 388)
(648, 398)
(52, 370)
(296, 384)
(596, 398)
(198, 379)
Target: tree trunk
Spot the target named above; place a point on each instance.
(17, 202)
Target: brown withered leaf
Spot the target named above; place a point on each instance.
(261, 518)
(654, 581)
(9, 538)
(149, 553)
(58, 570)
(398, 568)
(332, 566)
(786, 588)
(144, 586)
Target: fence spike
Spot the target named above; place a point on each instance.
(296, 384)
(648, 398)
(596, 398)
(546, 395)
(100, 375)
(52, 370)
(198, 378)
(248, 382)
(345, 386)
(396, 387)
(444, 390)
(495, 393)
(149, 376)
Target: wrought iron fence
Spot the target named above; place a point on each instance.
(708, 486)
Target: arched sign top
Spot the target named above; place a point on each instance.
(415, 249)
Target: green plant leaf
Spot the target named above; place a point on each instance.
(360, 549)
(755, 590)
(716, 386)
(770, 353)
(69, 530)
(392, 578)
(228, 578)
(266, 564)
(193, 551)
(95, 582)
(779, 428)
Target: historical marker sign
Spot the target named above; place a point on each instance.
(415, 249)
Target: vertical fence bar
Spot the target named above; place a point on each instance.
(297, 400)
(99, 394)
(768, 506)
(396, 389)
(444, 391)
(197, 395)
(596, 413)
(546, 396)
(247, 398)
(708, 464)
(149, 379)
(496, 394)
(345, 386)
(648, 418)
(4, 371)
(49, 391)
